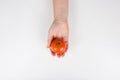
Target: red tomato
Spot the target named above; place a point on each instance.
(58, 47)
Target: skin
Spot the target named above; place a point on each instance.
(59, 27)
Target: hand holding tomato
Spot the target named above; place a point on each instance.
(58, 29)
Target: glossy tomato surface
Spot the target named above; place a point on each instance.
(58, 47)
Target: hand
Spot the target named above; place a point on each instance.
(58, 29)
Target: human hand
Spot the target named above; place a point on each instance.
(58, 29)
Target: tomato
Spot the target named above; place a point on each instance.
(58, 47)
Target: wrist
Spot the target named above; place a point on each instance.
(61, 20)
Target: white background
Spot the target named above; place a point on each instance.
(94, 43)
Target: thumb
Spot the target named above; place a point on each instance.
(65, 38)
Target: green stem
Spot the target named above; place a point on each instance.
(58, 44)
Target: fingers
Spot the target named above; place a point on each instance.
(52, 53)
(50, 37)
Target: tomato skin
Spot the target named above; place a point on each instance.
(58, 47)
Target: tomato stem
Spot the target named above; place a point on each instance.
(58, 43)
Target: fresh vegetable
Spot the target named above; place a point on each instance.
(58, 47)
